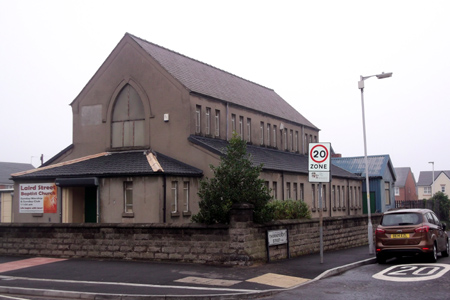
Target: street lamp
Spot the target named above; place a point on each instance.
(369, 225)
(432, 185)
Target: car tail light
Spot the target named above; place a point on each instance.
(380, 231)
(422, 229)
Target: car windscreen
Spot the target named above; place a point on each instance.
(401, 219)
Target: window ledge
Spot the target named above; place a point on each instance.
(187, 213)
(127, 215)
(175, 214)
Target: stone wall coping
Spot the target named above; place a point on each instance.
(118, 225)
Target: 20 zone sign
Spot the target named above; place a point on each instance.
(319, 157)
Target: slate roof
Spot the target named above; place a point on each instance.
(111, 164)
(426, 177)
(402, 175)
(271, 159)
(377, 165)
(207, 80)
(7, 168)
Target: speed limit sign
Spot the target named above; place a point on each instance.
(319, 157)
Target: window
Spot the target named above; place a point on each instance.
(338, 194)
(296, 141)
(324, 195)
(343, 196)
(291, 140)
(249, 130)
(261, 134)
(268, 134)
(313, 189)
(128, 196)
(274, 190)
(208, 120)
(217, 122)
(333, 195)
(350, 194)
(288, 191)
(174, 196)
(198, 110)
(443, 188)
(128, 119)
(387, 192)
(241, 127)
(294, 191)
(285, 139)
(397, 191)
(302, 193)
(233, 122)
(427, 190)
(186, 196)
(275, 136)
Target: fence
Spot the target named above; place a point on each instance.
(433, 205)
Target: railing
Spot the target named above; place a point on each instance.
(433, 205)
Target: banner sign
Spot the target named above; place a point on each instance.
(38, 198)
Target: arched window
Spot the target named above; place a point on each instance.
(128, 119)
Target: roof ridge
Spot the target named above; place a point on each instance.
(196, 60)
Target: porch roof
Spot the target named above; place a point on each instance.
(112, 164)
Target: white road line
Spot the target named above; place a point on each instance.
(126, 284)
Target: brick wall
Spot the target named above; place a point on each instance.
(240, 243)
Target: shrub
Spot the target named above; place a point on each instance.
(287, 209)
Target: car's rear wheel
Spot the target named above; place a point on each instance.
(433, 255)
(381, 259)
(446, 252)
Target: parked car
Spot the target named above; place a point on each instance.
(410, 232)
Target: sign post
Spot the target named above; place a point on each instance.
(319, 167)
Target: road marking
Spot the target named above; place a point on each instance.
(3, 277)
(413, 272)
(14, 298)
(27, 263)
(208, 281)
(277, 280)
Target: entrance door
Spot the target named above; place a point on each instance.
(373, 205)
(90, 204)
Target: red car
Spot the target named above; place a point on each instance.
(410, 232)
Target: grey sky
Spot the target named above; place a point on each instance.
(310, 52)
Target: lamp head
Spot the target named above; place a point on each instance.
(384, 75)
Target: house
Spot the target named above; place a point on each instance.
(146, 129)
(382, 179)
(7, 187)
(426, 187)
(405, 185)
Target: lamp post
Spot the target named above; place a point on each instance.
(369, 225)
(432, 185)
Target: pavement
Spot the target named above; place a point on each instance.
(133, 280)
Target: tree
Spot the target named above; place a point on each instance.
(235, 180)
(441, 205)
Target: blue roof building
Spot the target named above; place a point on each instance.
(382, 179)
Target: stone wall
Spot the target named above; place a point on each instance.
(240, 243)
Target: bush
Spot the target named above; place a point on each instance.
(287, 210)
(441, 205)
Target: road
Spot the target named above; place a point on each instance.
(398, 279)
(406, 278)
